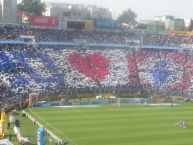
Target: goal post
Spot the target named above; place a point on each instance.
(33, 98)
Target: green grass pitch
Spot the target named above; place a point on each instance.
(118, 125)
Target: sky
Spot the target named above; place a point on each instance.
(145, 9)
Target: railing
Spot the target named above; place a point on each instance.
(5, 142)
(42, 126)
(90, 45)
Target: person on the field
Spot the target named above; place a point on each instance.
(182, 124)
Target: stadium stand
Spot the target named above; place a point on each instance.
(95, 36)
(46, 68)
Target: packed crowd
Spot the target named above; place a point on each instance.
(95, 36)
(50, 70)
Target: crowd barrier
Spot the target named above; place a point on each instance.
(57, 139)
(21, 139)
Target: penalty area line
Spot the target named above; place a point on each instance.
(83, 114)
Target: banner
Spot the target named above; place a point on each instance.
(46, 21)
(183, 33)
(62, 25)
(70, 104)
(107, 24)
(75, 24)
(89, 25)
(40, 136)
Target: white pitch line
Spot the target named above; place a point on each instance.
(55, 128)
(84, 114)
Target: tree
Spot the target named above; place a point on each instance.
(31, 7)
(128, 17)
